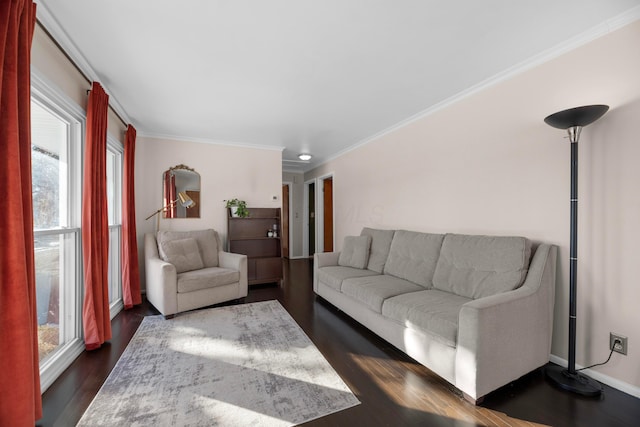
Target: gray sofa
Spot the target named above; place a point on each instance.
(476, 310)
(186, 270)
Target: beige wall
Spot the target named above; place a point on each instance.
(297, 197)
(489, 164)
(250, 174)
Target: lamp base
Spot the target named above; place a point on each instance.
(575, 383)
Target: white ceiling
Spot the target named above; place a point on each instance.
(309, 76)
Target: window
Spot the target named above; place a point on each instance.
(114, 197)
(56, 129)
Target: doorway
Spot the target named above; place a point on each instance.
(327, 214)
(324, 218)
(319, 227)
(285, 234)
(311, 220)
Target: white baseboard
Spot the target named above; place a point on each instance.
(610, 381)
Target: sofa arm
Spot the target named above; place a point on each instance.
(161, 279)
(236, 262)
(323, 259)
(504, 336)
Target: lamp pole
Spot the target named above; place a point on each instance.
(573, 120)
(573, 249)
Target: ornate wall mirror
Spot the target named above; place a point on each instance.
(177, 182)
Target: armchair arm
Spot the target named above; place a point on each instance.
(161, 279)
(236, 262)
(323, 259)
(504, 336)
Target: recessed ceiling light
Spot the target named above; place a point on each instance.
(304, 156)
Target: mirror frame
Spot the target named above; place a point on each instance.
(179, 212)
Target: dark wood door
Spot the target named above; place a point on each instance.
(194, 212)
(327, 189)
(284, 236)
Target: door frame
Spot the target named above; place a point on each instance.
(290, 185)
(320, 211)
(305, 218)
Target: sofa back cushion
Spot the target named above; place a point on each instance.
(355, 252)
(380, 244)
(413, 256)
(183, 254)
(207, 243)
(480, 266)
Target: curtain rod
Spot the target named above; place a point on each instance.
(64, 52)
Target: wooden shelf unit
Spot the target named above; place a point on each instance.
(248, 236)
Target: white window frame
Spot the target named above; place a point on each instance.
(53, 99)
(117, 148)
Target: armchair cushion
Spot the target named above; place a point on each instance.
(206, 278)
(183, 254)
(355, 252)
(207, 243)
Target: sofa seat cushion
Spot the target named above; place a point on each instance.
(481, 266)
(413, 256)
(206, 278)
(373, 290)
(431, 310)
(334, 275)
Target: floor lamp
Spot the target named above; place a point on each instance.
(184, 200)
(573, 120)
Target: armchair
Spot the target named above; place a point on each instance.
(186, 270)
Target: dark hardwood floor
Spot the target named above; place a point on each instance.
(393, 388)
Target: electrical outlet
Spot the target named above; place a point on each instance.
(618, 343)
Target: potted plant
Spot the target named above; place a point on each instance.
(238, 208)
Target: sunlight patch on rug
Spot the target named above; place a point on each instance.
(248, 364)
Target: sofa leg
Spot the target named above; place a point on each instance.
(169, 316)
(471, 400)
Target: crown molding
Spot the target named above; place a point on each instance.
(210, 141)
(55, 30)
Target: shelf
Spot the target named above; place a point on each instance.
(275, 218)
(248, 236)
(258, 213)
(239, 239)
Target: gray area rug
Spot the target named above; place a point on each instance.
(248, 364)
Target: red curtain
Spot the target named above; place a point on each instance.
(170, 196)
(20, 401)
(95, 223)
(130, 267)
